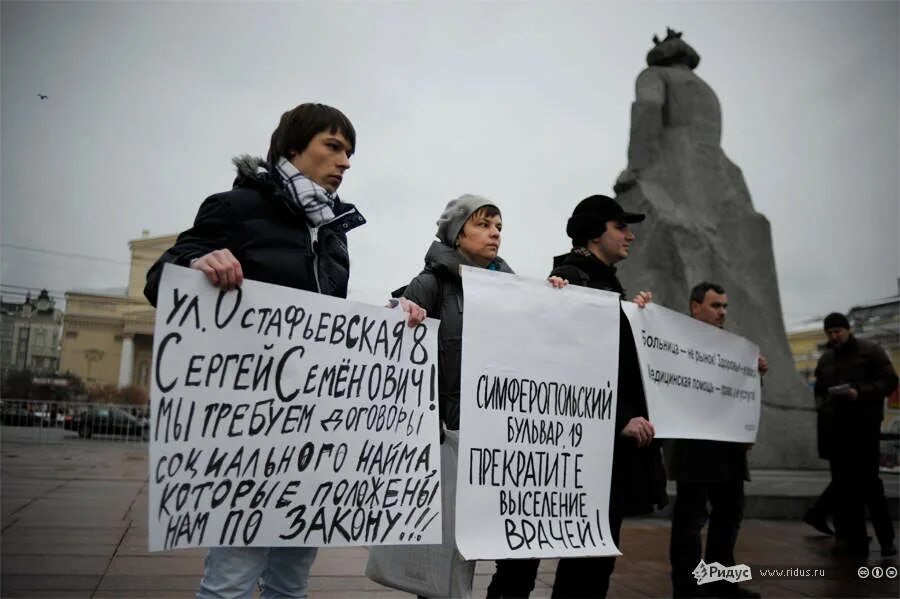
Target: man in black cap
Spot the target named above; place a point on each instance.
(601, 238)
(853, 377)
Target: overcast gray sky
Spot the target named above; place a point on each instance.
(526, 103)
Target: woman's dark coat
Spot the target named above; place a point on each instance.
(438, 289)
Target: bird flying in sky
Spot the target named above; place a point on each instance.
(42, 96)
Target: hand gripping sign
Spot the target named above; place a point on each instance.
(286, 418)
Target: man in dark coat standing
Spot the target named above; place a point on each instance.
(853, 377)
(282, 223)
(601, 238)
(707, 472)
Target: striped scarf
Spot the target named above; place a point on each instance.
(305, 196)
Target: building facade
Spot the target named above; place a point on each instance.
(108, 335)
(807, 345)
(877, 321)
(30, 335)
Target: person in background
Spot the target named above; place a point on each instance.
(853, 377)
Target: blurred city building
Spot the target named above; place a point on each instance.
(877, 320)
(108, 333)
(30, 334)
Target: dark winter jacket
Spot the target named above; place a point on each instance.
(864, 366)
(638, 482)
(438, 289)
(272, 243)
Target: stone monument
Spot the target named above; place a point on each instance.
(701, 226)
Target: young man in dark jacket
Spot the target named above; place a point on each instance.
(601, 238)
(853, 377)
(281, 223)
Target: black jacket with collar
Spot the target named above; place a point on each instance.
(273, 243)
(438, 289)
(638, 484)
(864, 366)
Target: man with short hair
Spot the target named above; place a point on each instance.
(281, 223)
(707, 472)
(601, 235)
(853, 377)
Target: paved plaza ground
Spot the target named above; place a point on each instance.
(74, 524)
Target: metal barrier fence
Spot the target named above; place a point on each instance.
(54, 421)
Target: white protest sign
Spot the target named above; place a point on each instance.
(701, 382)
(286, 418)
(537, 418)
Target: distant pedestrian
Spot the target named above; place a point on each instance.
(853, 377)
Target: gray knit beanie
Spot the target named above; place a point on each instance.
(455, 216)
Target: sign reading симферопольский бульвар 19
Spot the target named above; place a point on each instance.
(537, 418)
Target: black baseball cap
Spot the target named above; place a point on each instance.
(590, 216)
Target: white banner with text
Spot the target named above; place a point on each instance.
(537, 418)
(701, 382)
(282, 417)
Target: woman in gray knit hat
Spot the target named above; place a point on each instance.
(468, 233)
